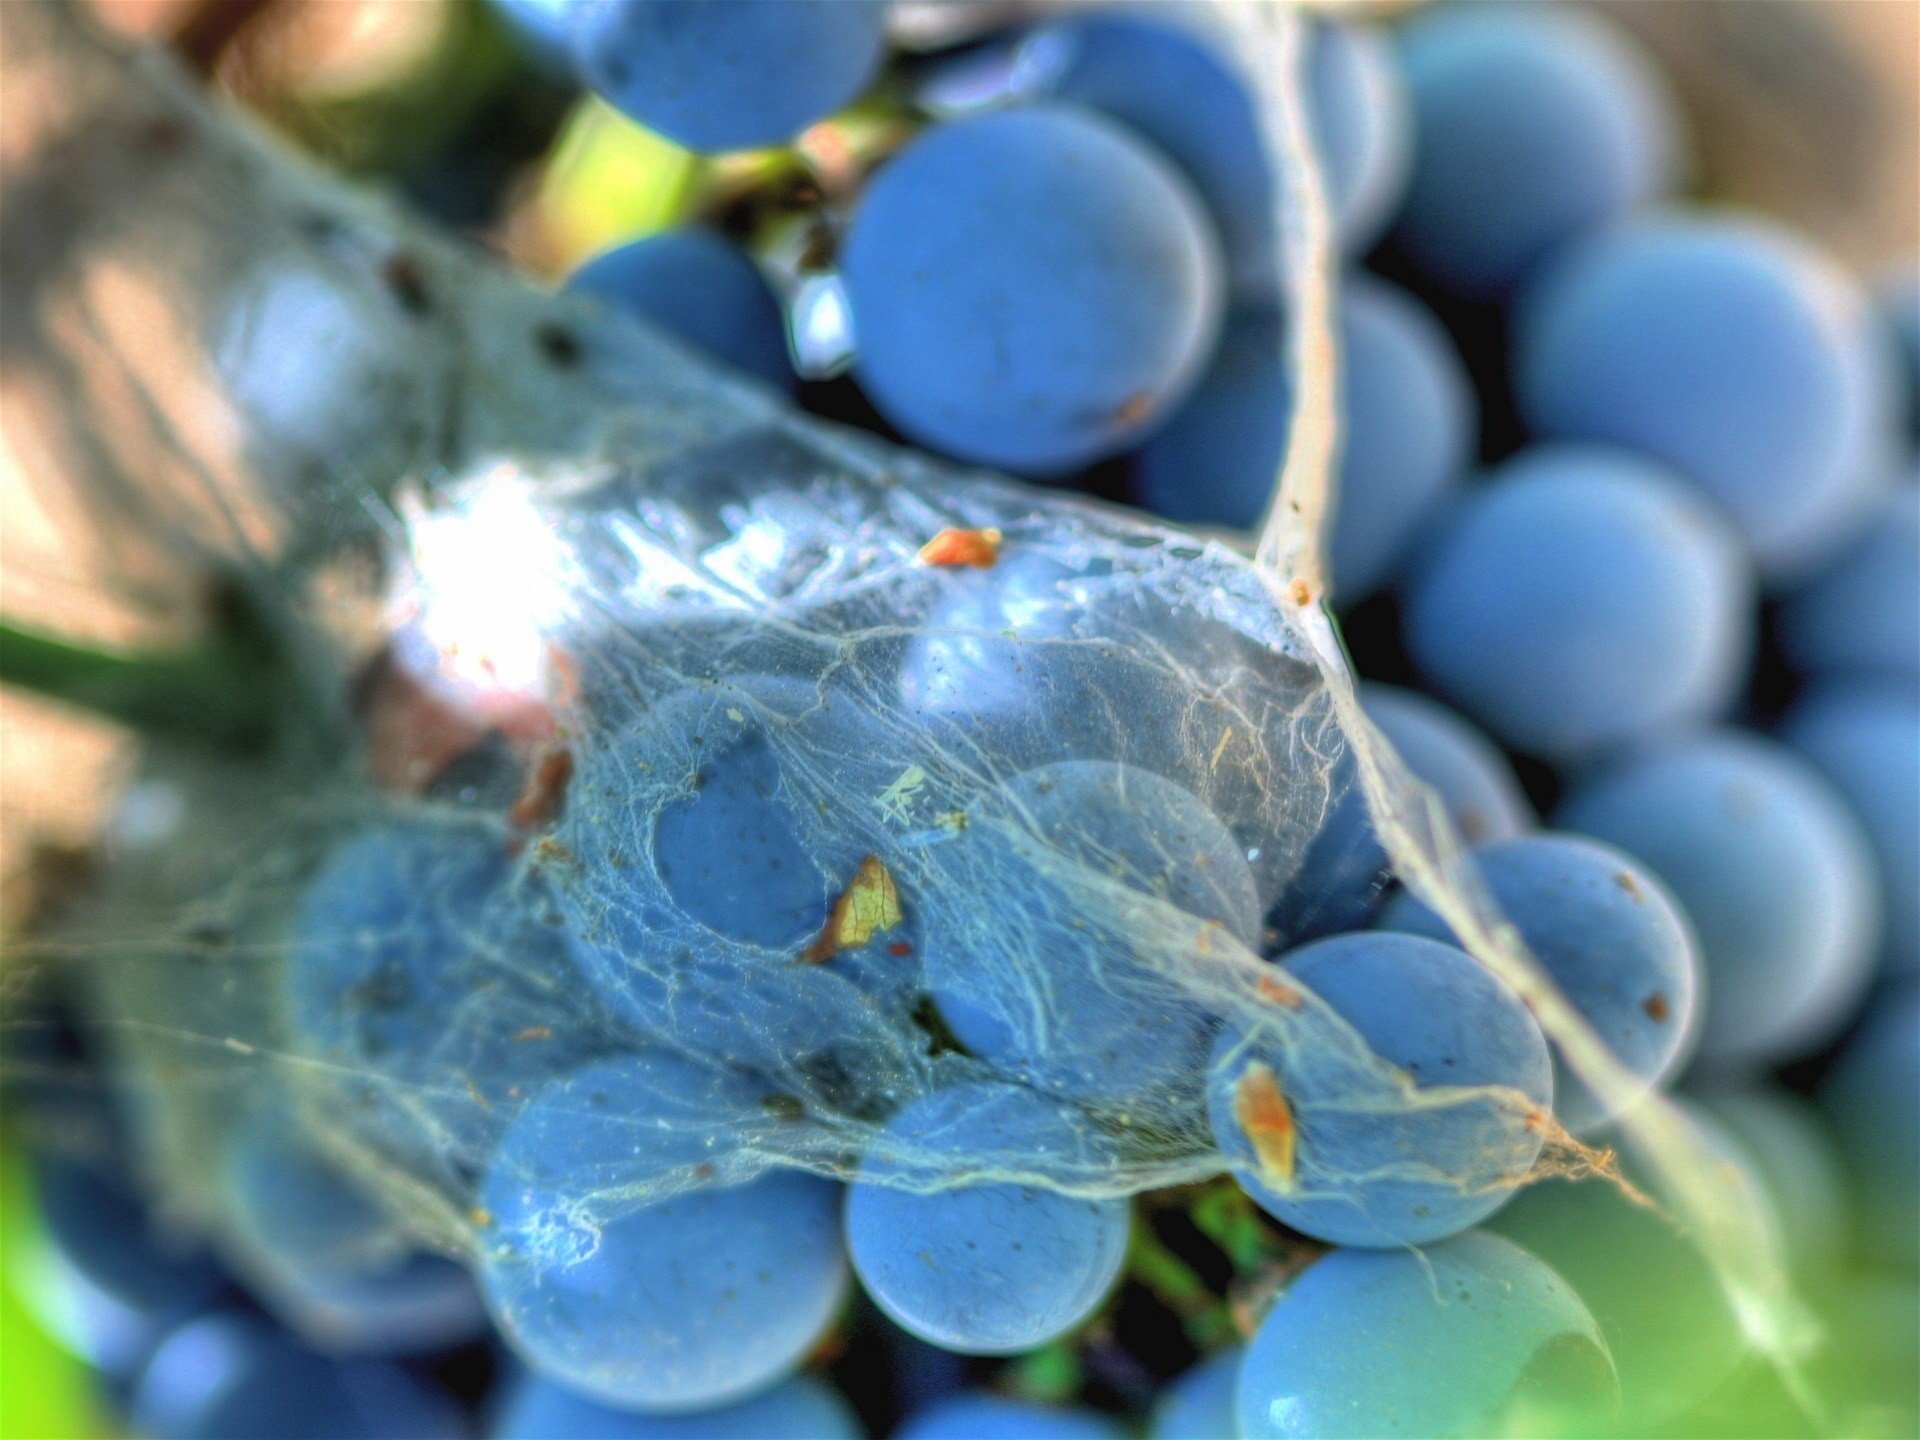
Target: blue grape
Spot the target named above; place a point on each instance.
(1860, 615)
(327, 1260)
(1407, 421)
(1180, 87)
(685, 1303)
(1469, 1337)
(1644, 1273)
(1200, 1405)
(1790, 1150)
(1900, 309)
(1474, 781)
(718, 75)
(1767, 863)
(1581, 599)
(801, 1408)
(988, 1417)
(1872, 1095)
(699, 287)
(1861, 737)
(986, 1268)
(1061, 987)
(231, 1376)
(1532, 125)
(1728, 350)
(1031, 288)
(1373, 1166)
(1614, 942)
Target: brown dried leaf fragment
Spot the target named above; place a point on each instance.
(546, 783)
(954, 548)
(1278, 992)
(869, 906)
(1266, 1119)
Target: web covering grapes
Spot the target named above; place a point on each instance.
(668, 719)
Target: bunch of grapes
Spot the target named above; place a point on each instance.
(944, 943)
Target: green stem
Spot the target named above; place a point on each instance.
(204, 694)
(1203, 1313)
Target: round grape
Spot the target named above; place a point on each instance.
(1861, 737)
(1469, 1337)
(718, 75)
(688, 1302)
(1200, 1405)
(1474, 781)
(1872, 1097)
(1407, 421)
(1581, 599)
(1532, 125)
(1612, 939)
(988, 1268)
(1775, 875)
(1031, 288)
(1728, 350)
(801, 1408)
(988, 1417)
(698, 286)
(1323, 1134)
(1789, 1148)
(1859, 616)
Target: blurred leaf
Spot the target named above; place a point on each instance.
(610, 181)
(45, 1393)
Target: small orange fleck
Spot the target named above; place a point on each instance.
(546, 783)
(954, 548)
(1301, 593)
(1134, 409)
(1624, 879)
(1264, 1117)
(900, 947)
(534, 1032)
(869, 906)
(480, 1216)
(1279, 992)
(1656, 1006)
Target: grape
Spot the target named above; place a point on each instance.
(231, 1376)
(688, 1302)
(1469, 1337)
(1860, 615)
(1532, 124)
(990, 1268)
(1861, 737)
(697, 286)
(1181, 88)
(1872, 1095)
(728, 74)
(1581, 599)
(1730, 351)
(1668, 1323)
(1345, 872)
(320, 1254)
(1790, 1150)
(801, 1408)
(1199, 1405)
(1767, 863)
(1473, 779)
(1072, 1000)
(988, 1417)
(1407, 425)
(1900, 308)
(1031, 288)
(1371, 1166)
(1609, 936)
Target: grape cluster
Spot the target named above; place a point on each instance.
(879, 899)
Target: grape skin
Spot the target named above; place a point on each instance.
(718, 75)
(1862, 738)
(988, 1417)
(1031, 288)
(1581, 599)
(686, 1303)
(990, 1268)
(1872, 1095)
(1462, 1338)
(1860, 614)
(1181, 89)
(1432, 1012)
(1069, 1006)
(1728, 349)
(1407, 422)
(1789, 1148)
(1775, 874)
(1533, 124)
(1200, 1404)
(801, 1408)
(1610, 937)
(696, 285)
